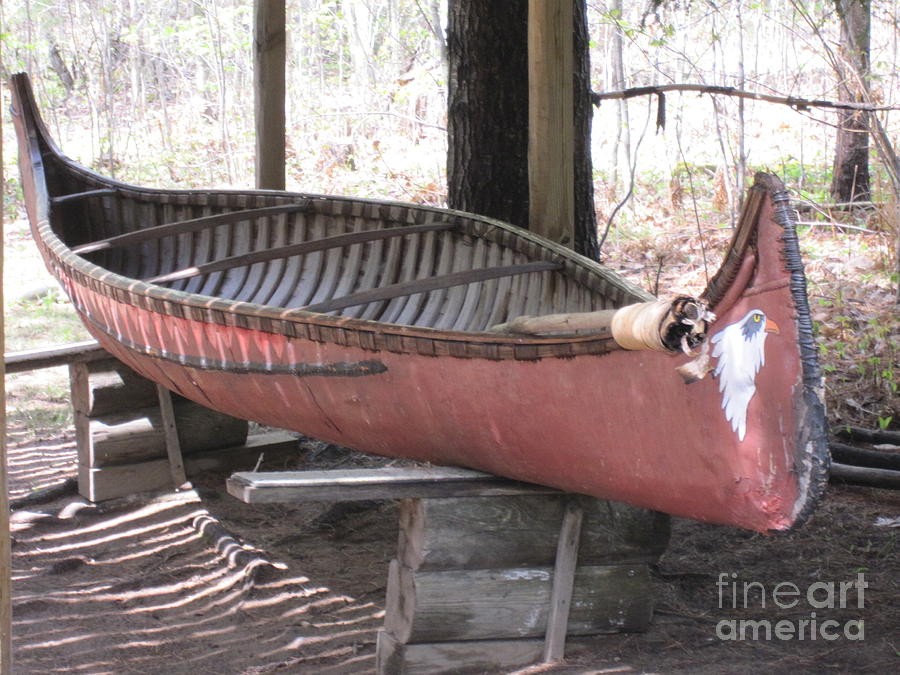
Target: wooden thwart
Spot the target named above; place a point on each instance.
(78, 196)
(430, 284)
(184, 226)
(301, 248)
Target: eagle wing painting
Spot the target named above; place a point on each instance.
(740, 350)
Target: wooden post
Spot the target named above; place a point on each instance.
(173, 444)
(563, 581)
(269, 52)
(5, 545)
(551, 125)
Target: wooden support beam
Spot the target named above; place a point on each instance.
(364, 484)
(551, 125)
(50, 357)
(269, 51)
(173, 444)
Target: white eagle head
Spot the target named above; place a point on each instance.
(740, 350)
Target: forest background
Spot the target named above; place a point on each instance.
(161, 94)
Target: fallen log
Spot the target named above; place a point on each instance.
(865, 476)
(869, 435)
(875, 459)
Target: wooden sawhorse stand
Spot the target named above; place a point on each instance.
(131, 433)
(490, 573)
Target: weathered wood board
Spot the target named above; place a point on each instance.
(518, 531)
(451, 605)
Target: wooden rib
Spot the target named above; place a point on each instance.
(318, 284)
(431, 311)
(455, 294)
(203, 249)
(502, 295)
(299, 229)
(426, 266)
(488, 290)
(389, 269)
(434, 283)
(78, 196)
(222, 247)
(233, 276)
(310, 270)
(369, 265)
(473, 293)
(184, 226)
(274, 272)
(296, 249)
(408, 267)
(256, 273)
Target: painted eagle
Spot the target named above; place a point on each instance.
(740, 350)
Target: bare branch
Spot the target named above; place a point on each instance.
(793, 101)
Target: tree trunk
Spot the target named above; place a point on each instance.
(850, 180)
(487, 118)
(487, 156)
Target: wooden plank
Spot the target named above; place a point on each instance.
(368, 484)
(269, 51)
(551, 127)
(563, 582)
(433, 283)
(170, 432)
(474, 656)
(521, 531)
(493, 604)
(186, 227)
(50, 357)
(302, 248)
(100, 483)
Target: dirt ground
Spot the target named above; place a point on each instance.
(148, 585)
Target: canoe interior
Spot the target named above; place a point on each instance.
(257, 255)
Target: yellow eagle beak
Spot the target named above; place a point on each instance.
(772, 327)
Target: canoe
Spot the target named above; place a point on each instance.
(402, 330)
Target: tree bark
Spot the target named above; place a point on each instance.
(850, 179)
(487, 125)
(585, 214)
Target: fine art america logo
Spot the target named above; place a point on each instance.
(814, 624)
